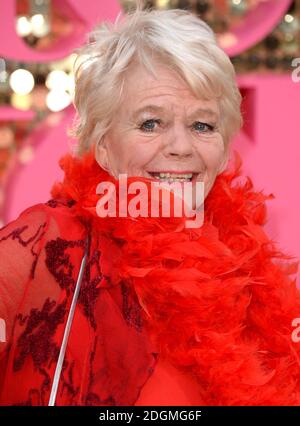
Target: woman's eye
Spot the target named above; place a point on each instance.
(149, 125)
(203, 127)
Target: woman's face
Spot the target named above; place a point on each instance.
(160, 128)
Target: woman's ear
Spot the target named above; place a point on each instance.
(101, 154)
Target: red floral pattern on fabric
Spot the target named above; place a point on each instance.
(90, 286)
(16, 234)
(36, 341)
(58, 262)
(31, 353)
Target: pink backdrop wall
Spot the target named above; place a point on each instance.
(270, 148)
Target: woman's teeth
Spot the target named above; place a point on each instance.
(173, 177)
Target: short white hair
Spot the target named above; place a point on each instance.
(176, 38)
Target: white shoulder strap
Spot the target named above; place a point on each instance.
(67, 329)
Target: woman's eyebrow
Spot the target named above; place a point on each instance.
(208, 112)
(147, 108)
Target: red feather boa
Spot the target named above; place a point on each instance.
(218, 300)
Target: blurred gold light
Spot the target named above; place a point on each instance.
(288, 18)
(23, 26)
(57, 100)
(21, 81)
(40, 26)
(21, 101)
(162, 4)
(57, 80)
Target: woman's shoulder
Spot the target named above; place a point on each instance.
(32, 249)
(40, 216)
(38, 227)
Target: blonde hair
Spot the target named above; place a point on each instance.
(176, 38)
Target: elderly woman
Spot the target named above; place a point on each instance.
(134, 309)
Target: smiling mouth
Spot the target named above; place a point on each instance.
(174, 177)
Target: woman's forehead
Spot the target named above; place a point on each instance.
(144, 93)
(138, 77)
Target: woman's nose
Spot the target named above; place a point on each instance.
(178, 143)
